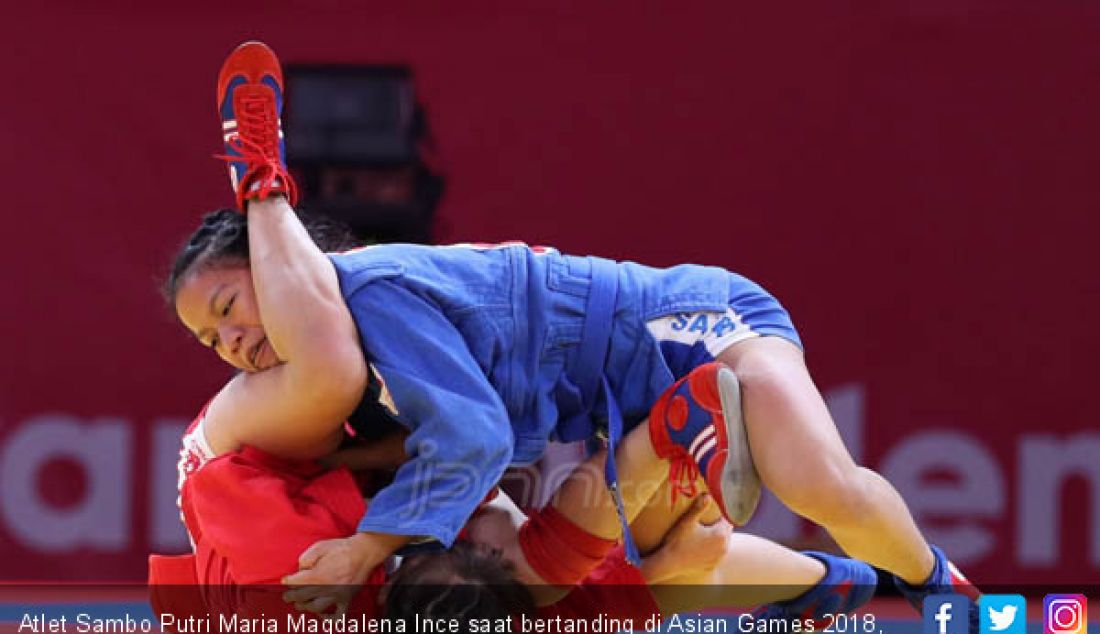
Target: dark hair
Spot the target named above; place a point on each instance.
(222, 240)
(469, 581)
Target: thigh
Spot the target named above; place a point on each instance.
(795, 443)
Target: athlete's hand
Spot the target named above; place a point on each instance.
(691, 549)
(331, 571)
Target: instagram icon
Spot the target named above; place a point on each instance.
(1065, 614)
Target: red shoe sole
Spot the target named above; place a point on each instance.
(252, 60)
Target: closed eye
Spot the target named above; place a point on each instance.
(228, 305)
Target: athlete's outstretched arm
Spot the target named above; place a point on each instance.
(295, 409)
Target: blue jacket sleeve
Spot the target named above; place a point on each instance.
(461, 438)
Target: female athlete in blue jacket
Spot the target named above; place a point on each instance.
(485, 353)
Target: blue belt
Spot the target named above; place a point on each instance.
(587, 373)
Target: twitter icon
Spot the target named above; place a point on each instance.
(1002, 614)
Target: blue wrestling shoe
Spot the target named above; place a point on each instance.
(250, 102)
(848, 584)
(698, 427)
(945, 579)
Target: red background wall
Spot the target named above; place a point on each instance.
(915, 181)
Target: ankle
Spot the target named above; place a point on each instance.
(924, 573)
(262, 185)
(274, 200)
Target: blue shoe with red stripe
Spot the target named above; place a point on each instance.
(698, 427)
(945, 579)
(250, 102)
(848, 584)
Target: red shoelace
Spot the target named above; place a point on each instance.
(682, 475)
(257, 141)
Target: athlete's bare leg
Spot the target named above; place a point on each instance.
(802, 459)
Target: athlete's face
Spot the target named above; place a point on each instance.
(218, 305)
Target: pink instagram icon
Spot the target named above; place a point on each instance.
(1065, 614)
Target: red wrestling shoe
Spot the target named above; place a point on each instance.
(250, 101)
(697, 426)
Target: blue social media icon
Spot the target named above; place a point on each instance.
(946, 614)
(1002, 614)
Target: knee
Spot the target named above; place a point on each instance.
(837, 495)
(751, 359)
(767, 367)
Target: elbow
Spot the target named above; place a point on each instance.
(493, 440)
(338, 380)
(352, 372)
(482, 452)
(348, 379)
(499, 449)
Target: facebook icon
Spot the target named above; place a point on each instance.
(946, 614)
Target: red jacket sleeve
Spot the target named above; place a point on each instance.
(261, 513)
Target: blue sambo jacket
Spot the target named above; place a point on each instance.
(486, 353)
